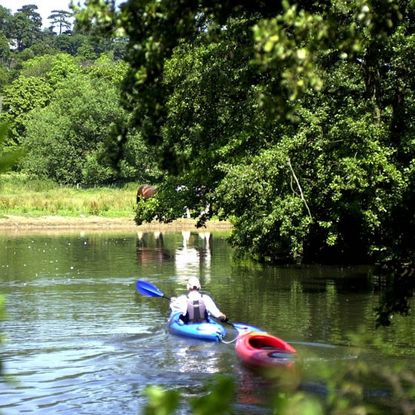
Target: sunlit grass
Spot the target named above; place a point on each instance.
(20, 195)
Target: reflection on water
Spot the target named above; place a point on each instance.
(191, 257)
(80, 340)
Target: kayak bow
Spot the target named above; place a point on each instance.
(259, 349)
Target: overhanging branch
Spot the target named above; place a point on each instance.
(299, 188)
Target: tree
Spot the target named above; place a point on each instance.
(72, 43)
(71, 139)
(20, 97)
(5, 21)
(33, 90)
(63, 137)
(30, 10)
(5, 53)
(8, 158)
(26, 27)
(60, 19)
(319, 160)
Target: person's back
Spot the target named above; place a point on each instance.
(194, 306)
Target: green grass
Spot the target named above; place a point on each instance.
(21, 195)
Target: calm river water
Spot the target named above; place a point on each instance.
(80, 340)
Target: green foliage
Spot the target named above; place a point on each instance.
(317, 183)
(105, 68)
(20, 97)
(217, 399)
(63, 139)
(287, 44)
(257, 189)
(168, 200)
(5, 53)
(209, 95)
(26, 26)
(297, 404)
(345, 380)
(22, 38)
(68, 118)
(33, 90)
(8, 157)
(62, 67)
(161, 402)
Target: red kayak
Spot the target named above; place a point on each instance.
(261, 350)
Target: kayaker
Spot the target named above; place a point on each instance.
(194, 306)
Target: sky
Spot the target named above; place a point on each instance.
(44, 7)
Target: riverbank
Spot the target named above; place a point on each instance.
(97, 223)
(32, 205)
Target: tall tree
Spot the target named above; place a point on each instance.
(60, 20)
(26, 27)
(5, 21)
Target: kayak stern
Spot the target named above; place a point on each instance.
(208, 331)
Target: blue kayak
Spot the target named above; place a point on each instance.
(210, 331)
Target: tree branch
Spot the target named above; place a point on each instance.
(299, 188)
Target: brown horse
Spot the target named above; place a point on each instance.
(145, 191)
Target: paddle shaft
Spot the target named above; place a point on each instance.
(227, 322)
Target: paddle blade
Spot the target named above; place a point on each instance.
(147, 289)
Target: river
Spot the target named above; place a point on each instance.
(80, 340)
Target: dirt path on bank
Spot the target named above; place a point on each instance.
(13, 223)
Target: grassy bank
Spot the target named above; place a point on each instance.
(21, 195)
(38, 204)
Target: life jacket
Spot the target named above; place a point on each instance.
(196, 310)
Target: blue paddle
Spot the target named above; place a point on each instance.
(149, 290)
